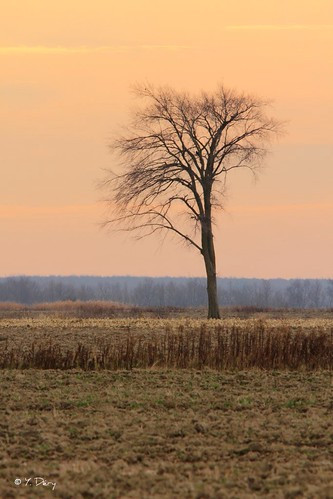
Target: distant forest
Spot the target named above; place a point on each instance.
(169, 291)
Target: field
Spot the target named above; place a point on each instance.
(188, 418)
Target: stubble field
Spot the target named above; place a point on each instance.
(162, 429)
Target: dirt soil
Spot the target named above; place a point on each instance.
(166, 434)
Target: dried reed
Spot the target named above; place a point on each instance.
(219, 347)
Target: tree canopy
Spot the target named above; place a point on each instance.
(176, 156)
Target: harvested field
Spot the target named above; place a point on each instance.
(166, 434)
(166, 408)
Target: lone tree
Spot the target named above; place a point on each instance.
(176, 156)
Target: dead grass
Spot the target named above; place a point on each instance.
(67, 308)
(131, 344)
(104, 309)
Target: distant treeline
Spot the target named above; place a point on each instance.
(169, 291)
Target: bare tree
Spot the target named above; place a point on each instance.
(176, 156)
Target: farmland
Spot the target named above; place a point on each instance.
(166, 407)
(118, 343)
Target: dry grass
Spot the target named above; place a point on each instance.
(104, 309)
(67, 308)
(11, 307)
(47, 343)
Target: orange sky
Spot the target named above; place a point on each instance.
(66, 69)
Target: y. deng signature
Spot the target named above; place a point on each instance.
(36, 481)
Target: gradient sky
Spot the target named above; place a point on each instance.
(66, 70)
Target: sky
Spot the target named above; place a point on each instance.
(66, 73)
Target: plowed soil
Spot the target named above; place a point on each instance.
(166, 434)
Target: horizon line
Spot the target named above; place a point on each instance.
(126, 276)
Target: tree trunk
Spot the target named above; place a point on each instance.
(208, 253)
(213, 307)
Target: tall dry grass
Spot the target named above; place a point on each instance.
(220, 347)
(68, 308)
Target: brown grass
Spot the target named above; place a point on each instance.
(220, 347)
(9, 306)
(67, 308)
(102, 309)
